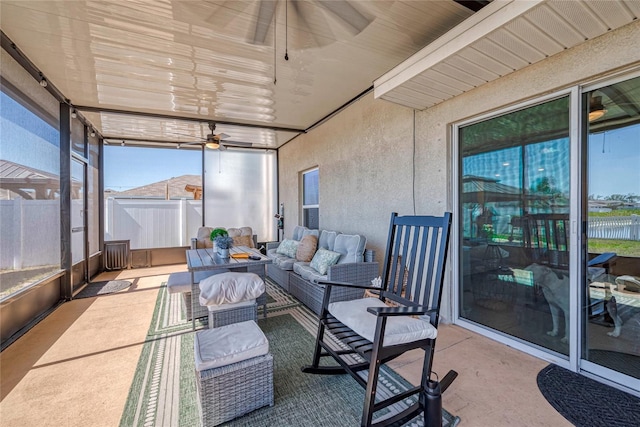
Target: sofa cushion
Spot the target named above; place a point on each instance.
(307, 248)
(327, 239)
(310, 232)
(243, 241)
(297, 232)
(323, 259)
(288, 247)
(401, 329)
(304, 270)
(241, 233)
(351, 247)
(204, 237)
(181, 281)
(273, 254)
(284, 262)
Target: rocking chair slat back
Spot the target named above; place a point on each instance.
(413, 271)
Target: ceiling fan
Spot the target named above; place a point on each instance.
(309, 17)
(218, 141)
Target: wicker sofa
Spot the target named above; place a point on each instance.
(203, 240)
(300, 278)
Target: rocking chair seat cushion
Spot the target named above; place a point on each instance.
(399, 330)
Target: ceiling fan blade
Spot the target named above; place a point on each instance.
(263, 22)
(222, 136)
(311, 25)
(347, 14)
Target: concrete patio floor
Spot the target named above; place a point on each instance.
(76, 366)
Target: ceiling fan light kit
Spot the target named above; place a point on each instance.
(596, 109)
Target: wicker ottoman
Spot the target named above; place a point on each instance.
(226, 314)
(234, 372)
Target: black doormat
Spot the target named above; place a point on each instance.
(585, 402)
(102, 288)
(626, 363)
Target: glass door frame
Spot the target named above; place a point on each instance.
(578, 238)
(75, 158)
(529, 348)
(586, 367)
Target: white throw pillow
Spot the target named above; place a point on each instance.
(230, 288)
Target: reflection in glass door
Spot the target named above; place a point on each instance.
(514, 232)
(611, 335)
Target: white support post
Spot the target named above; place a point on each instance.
(108, 219)
(18, 226)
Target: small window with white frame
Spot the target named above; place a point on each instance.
(310, 199)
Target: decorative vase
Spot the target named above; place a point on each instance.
(223, 253)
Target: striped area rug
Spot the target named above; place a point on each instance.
(163, 392)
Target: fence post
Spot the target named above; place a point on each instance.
(184, 239)
(635, 227)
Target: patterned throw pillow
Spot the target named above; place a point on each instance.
(323, 259)
(288, 247)
(307, 248)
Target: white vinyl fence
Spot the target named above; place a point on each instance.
(152, 223)
(157, 224)
(614, 227)
(30, 233)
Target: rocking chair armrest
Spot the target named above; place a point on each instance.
(345, 284)
(400, 311)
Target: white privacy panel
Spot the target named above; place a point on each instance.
(240, 190)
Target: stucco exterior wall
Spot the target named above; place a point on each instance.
(366, 153)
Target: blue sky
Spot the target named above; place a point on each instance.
(130, 167)
(614, 162)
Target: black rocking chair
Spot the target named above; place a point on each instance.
(368, 332)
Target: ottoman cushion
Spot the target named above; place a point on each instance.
(230, 287)
(229, 344)
(181, 281)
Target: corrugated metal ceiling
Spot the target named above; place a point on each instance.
(220, 61)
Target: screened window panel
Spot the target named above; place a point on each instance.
(30, 194)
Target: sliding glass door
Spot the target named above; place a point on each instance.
(514, 216)
(549, 229)
(611, 206)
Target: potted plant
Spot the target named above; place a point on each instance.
(218, 232)
(223, 243)
(215, 233)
